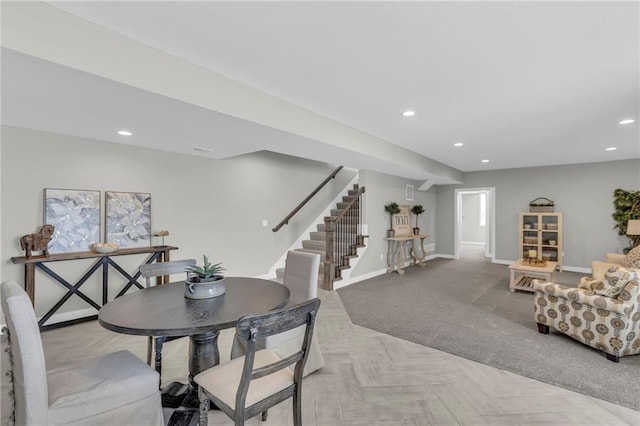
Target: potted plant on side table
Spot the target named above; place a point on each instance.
(417, 210)
(391, 208)
(204, 281)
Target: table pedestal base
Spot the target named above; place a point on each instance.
(203, 354)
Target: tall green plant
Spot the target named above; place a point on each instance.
(392, 208)
(627, 207)
(417, 210)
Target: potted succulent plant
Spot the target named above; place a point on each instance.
(204, 281)
(417, 210)
(391, 208)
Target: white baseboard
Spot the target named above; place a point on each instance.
(577, 269)
(71, 315)
(353, 280)
(445, 256)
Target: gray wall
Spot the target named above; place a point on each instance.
(216, 206)
(471, 231)
(582, 192)
(209, 206)
(382, 189)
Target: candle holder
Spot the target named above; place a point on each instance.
(534, 261)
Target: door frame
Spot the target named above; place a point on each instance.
(490, 237)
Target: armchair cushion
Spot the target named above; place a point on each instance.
(102, 385)
(632, 260)
(631, 292)
(616, 258)
(615, 279)
(599, 268)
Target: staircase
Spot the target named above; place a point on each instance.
(339, 246)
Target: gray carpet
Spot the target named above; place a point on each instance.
(464, 307)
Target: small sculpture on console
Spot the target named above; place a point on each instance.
(38, 241)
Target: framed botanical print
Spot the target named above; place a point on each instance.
(128, 218)
(75, 214)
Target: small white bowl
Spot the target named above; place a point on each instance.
(104, 248)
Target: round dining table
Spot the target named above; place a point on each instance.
(164, 311)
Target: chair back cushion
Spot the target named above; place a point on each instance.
(27, 356)
(301, 276)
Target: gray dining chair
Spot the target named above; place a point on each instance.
(115, 389)
(249, 385)
(301, 278)
(153, 270)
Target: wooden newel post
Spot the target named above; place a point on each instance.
(329, 264)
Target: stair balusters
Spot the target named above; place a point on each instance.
(343, 237)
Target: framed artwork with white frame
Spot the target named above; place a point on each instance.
(128, 218)
(75, 215)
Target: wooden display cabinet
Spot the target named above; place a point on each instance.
(541, 232)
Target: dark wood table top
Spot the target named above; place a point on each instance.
(164, 311)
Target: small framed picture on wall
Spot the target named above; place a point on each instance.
(409, 192)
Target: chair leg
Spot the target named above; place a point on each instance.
(159, 341)
(149, 350)
(297, 406)
(265, 413)
(613, 358)
(542, 328)
(204, 408)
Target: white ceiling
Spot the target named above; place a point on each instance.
(519, 83)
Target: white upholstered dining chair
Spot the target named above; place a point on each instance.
(160, 269)
(115, 389)
(301, 278)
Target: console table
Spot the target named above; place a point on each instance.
(157, 253)
(396, 257)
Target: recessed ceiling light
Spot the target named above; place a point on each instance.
(627, 121)
(125, 133)
(458, 144)
(485, 161)
(408, 113)
(611, 148)
(199, 148)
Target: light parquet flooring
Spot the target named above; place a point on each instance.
(372, 379)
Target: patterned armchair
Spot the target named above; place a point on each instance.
(603, 312)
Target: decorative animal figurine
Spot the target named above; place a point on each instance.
(38, 241)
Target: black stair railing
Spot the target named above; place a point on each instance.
(343, 237)
(285, 221)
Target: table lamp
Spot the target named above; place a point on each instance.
(633, 231)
